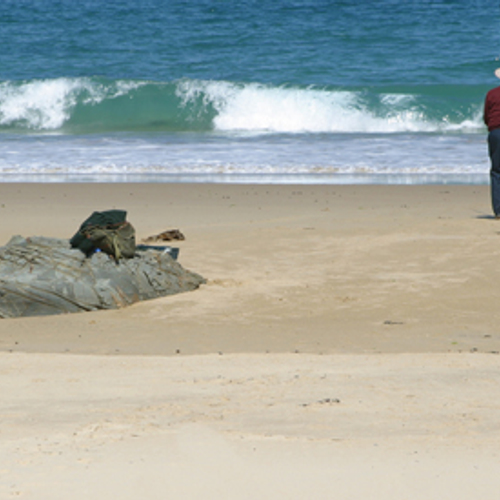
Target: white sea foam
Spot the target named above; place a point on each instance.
(221, 154)
(259, 131)
(48, 104)
(42, 104)
(257, 107)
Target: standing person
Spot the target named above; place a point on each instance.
(492, 121)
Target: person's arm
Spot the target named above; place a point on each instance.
(486, 110)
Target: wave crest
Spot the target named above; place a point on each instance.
(87, 105)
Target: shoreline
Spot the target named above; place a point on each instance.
(305, 179)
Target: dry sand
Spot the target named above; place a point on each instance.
(345, 346)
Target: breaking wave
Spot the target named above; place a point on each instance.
(89, 105)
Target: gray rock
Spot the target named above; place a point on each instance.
(41, 276)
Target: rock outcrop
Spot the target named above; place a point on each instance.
(43, 276)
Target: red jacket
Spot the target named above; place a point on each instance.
(492, 109)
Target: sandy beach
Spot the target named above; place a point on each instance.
(346, 346)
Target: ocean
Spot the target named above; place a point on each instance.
(306, 91)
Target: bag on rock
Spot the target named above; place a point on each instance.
(108, 231)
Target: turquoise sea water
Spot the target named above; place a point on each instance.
(282, 91)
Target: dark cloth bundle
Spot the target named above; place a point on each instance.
(108, 231)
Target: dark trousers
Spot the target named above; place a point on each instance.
(494, 151)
